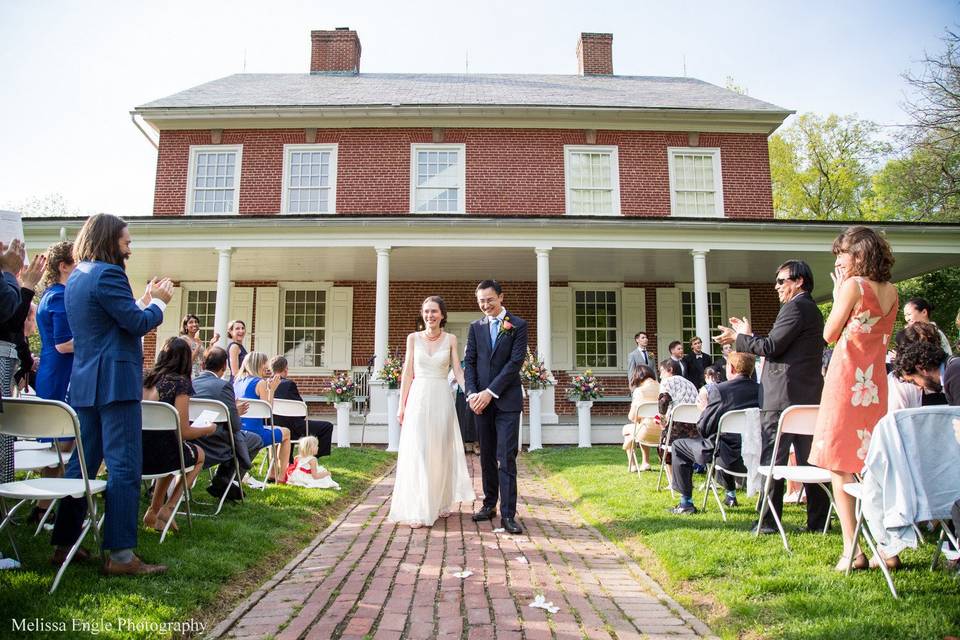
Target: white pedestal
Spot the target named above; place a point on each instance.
(378, 402)
(393, 425)
(548, 406)
(583, 419)
(536, 435)
(343, 423)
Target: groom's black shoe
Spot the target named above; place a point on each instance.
(485, 513)
(510, 526)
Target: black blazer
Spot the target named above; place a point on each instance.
(695, 368)
(794, 353)
(497, 369)
(737, 393)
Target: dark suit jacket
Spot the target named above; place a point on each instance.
(208, 385)
(497, 369)
(951, 381)
(695, 368)
(107, 326)
(793, 351)
(9, 296)
(736, 393)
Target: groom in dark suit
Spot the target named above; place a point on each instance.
(496, 348)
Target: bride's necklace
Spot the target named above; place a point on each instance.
(430, 338)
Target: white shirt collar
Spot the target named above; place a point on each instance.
(500, 316)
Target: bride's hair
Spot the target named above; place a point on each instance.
(441, 304)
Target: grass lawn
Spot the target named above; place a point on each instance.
(211, 568)
(747, 587)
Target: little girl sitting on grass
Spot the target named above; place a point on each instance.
(305, 472)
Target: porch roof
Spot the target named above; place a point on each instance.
(447, 248)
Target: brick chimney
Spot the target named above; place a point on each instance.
(595, 54)
(336, 51)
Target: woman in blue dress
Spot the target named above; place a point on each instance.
(252, 383)
(56, 353)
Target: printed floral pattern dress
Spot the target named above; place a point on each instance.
(855, 389)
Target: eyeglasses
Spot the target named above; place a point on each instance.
(780, 281)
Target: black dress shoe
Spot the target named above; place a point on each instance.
(510, 526)
(731, 501)
(233, 493)
(765, 529)
(485, 513)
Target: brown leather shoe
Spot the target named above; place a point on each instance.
(135, 567)
(60, 556)
(893, 562)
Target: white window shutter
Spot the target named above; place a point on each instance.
(633, 313)
(738, 303)
(268, 312)
(561, 327)
(668, 319)
(339, 338)
(241, 307)
(172, 316)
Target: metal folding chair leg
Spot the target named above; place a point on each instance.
(46, 514)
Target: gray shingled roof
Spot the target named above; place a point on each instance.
(411, 89)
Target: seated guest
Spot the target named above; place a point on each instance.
(645, 389)
(299, 427)
(169, 382)
(905, 395)
(211, 385)
(252, 383)
(928, 366)
(711, 376)
(738, 392)
(674, 390)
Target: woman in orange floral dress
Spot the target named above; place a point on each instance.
(855, 389)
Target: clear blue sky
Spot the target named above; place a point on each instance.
(71, 71)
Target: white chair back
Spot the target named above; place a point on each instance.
(257, 409)
(199, 405)
(648, 410)
(799, 419)
(159, 416)
(733, 422)
(289, 408)
(689, 413)
(38, 418)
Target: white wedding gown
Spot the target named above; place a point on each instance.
(432, 472)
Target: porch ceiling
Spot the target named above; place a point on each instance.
(502, 263)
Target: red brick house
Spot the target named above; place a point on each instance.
(322, 208)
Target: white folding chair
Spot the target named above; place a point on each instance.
(800, 419)
(36, 418)
(198, 406)
(261, 409)
(160, 416)
(936, 447)
(732, 422)
(645, 410)
(686, 412)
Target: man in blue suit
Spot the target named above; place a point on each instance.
(106, 387)
(496, 349)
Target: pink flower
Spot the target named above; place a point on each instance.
(865, 437)
(865, 391)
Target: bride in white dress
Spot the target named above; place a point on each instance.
(432, 474)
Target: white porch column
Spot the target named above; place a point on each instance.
(700, 303)
(381, 336)
(544, 332)
(221, 315)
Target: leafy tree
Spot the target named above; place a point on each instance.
(821, 168)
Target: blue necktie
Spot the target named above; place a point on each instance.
(494, 325)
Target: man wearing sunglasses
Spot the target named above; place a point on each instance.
(791, 375)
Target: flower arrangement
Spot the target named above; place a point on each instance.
(534, 374)
(584, 386)
(342, 388)
(390, 373)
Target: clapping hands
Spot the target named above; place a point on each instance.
(728, 335)
(13, 256)
(31, 275)
(160, 289)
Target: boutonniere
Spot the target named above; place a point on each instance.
(506, 326)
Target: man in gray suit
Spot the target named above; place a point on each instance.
(208, 384)
(791, 375)
(640, 356)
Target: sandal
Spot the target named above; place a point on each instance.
(893, 562)
(859, 563)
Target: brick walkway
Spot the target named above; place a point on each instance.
(366, 578)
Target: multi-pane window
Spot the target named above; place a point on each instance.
(688, 316)
(437, 178)
(309, 178)
(203, 304)
(695, 185)
(595, 326)
(593, 184)
(304, 326)
(214, 179)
